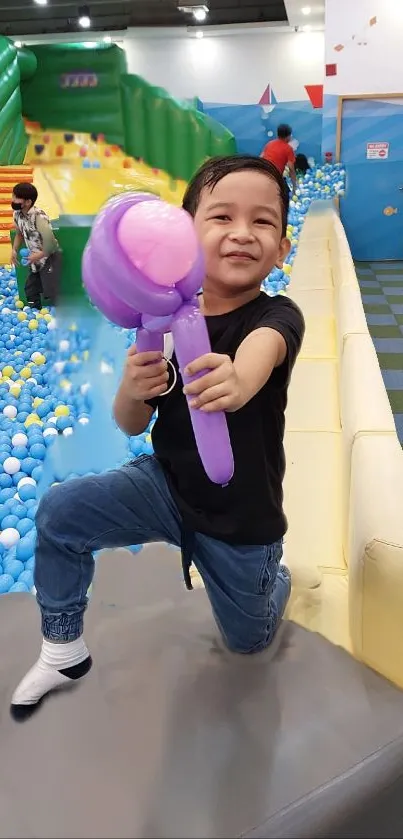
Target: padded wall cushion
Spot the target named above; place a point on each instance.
(350, 315)
(376, 553)
(364, 407)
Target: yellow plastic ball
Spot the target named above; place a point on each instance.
(48, 318)
(287, 269)
(148, 438)
(20, 382)
(44, 311)
(8, 370)
(22, 316)
(32, 419)
(74, 358)
(18, 352)
(33, 324)
(294, 242)
(62, 411)
(37, 401)
(39, 360)
(86, 355)
(19, 304)
(26, 373)
(66, 385)
(15, 391)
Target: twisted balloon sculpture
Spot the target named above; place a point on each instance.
(142, 267)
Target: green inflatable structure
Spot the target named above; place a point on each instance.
(169, 134)
(86, 88)
(13, 140)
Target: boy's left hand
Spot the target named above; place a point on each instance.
(35, 257)
(219, 389)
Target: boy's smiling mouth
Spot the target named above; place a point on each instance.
(242, 256)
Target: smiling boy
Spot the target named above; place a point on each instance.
(232, 534)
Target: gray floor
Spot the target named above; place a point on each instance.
(170, 735)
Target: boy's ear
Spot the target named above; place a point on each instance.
(283, 251)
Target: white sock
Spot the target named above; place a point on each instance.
(58, 665)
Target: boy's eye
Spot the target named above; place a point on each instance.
(263, 221)
(222, 217)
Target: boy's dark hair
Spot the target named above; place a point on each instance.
(28, 192)
(284, 131)
(301, 163)
(209, 175)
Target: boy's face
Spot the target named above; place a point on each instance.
(239, 225)
(23, 205)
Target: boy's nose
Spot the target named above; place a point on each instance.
(242, 233)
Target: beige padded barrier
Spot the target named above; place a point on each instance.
(364, 409)
(376, 554)
(344, 479)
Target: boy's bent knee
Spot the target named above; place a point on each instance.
(59, 506)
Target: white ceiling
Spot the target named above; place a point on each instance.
(316, 19)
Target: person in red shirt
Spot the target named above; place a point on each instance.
(281, 153)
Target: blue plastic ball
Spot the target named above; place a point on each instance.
(13, 567)
(27, 492)
(18, 586)
(6, 581)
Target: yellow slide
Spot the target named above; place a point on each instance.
(77, 177)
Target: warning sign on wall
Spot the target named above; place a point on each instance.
(377, 151)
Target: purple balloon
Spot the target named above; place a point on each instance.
(149, 341)
(154, 324)
(128, 283)
(101, 295)
(191, 284)
(191, 340)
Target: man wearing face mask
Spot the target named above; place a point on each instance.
(34, 230)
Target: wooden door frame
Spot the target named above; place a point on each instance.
(349, 96)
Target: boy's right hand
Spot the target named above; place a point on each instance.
(14, 257)
(145, 375)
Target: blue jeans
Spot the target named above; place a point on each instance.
(247, 589)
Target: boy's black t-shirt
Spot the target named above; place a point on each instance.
(250, 509)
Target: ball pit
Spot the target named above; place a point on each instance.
(42, 397)
(320, 182)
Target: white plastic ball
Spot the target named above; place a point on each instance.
(52, 325)
(32, 381)
(64, 345)
(36, 355)
(9, 537)
(19, 439)
(24, 481)
(53, 420)
(50, 432)
(12, 465)
(67, 431)
(83, 420)
(10, 411)
(59, 366)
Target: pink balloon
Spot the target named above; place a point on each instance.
(160, 241)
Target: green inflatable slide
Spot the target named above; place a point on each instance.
(86, 88)
(13, 140)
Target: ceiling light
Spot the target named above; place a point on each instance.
(18, 44)
(107, 39)
(200, 15)
(41, 2)
(306, 10)
(84, 19)
(199, 34)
